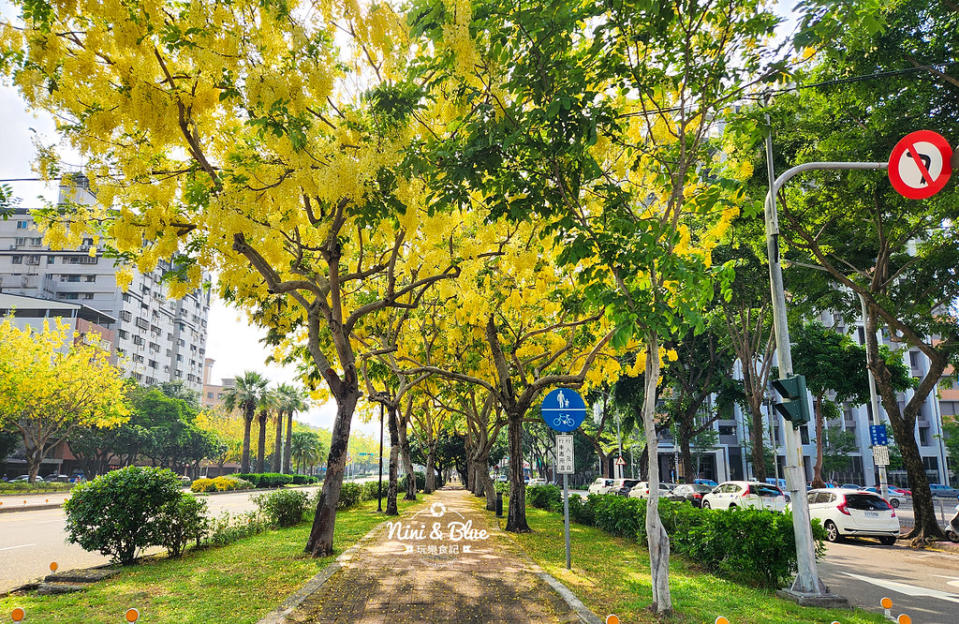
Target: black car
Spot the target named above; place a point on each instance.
(690, 492)
(627, 486)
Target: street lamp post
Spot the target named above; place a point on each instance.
(807, 588)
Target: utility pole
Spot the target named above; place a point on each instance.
(807, 589)
(873, 401)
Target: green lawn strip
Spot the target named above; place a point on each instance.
(611, 576)
(238, 583)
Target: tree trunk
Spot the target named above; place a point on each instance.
(817, 481)
(320, 543)
(278, 444)
(407, 463)
(643, 464)
(925, 526)
(430, 468)
(247, 425)
(755, 400)
(656, 534)
(288, 447)
(684, 470)
(34, 457)
(393, 486)
(516, 520)
(261, 442)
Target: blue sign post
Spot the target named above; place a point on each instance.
(563, 411)
(878, 435)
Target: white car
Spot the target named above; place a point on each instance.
(854, 512)
(641, 490)
(537, 481)
(601, 486)
(745, 494)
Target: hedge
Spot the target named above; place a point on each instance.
(220, 484)
(266, 479)
(752, 546)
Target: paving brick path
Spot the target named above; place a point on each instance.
(443, 563)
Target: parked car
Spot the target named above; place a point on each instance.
(943, 491)
(27, 478)
(641, 490)
(502, 478)
(690, 492)
(623, 490)
(900, 490)
(601, 486)
(537, 481)
(893, 497)
(742, 494)
(845, 511)
(708, 482)
(780, 483)
(59, 478)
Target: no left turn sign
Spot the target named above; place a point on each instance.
(919, 165)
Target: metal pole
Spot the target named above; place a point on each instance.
(566, 515)
(873, 401)
(807, 580)
(772, 439)
(379, 487)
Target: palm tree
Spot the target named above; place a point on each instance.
(291, 400)
(306, 448)
(245, 395)
(265, 405)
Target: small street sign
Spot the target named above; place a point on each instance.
(880, 455)
(620, 461)
(877, 433)
(564, 454)
(563, 410)
(920, 164)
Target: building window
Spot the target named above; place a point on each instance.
(924, 436)
(949, 408)
(88, 296)
(153, 363)
(20, 241)
(70, 296)
(36, 242)
(209, 395)
(51, 259)
(16, 259)
(22, 225)
(90, 278)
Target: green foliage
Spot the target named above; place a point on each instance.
(263, 480)
(371, 489)
(351, 494)
(284, 508)
(181, 521)
(17, 487)
(837, 450)
(549, 497)
(299, 479)
(420, 481)
(120, 513)
(226, 528)
(754, 547)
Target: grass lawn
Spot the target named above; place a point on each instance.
(238, 583)
(611, 576)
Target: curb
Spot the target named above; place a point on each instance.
(278, 615)
(5, 509)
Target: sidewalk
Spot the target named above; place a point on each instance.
(441, 563)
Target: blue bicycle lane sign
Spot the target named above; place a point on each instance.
(563, 410)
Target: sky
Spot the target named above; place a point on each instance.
(232, 342)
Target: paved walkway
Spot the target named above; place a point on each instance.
(441, 563)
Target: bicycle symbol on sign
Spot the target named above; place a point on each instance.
(564, 420)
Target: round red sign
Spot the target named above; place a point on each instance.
(919, 165)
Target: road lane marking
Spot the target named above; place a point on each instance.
(20, 546)
(909, 590)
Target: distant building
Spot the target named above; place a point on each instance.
(212, 395)
(160, 339)
(90, 326)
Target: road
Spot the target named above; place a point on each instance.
(30, 540)
(923, 584)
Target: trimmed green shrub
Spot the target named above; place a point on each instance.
(299, 479)
(227, 529)
(182, 521)
(548, 497)
(121, 512)
(370, 489)
(502, 487)
(351, 494)
(420, 481)
(751, 546)
(264, 480)
(284, 508)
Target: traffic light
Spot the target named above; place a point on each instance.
(793, 406)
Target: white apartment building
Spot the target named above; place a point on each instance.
(158, 339)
